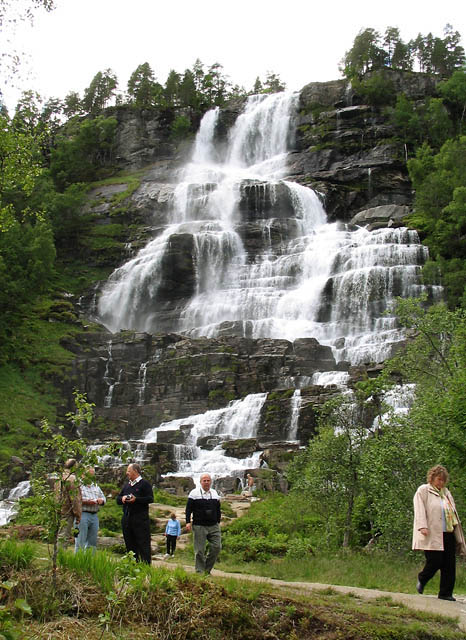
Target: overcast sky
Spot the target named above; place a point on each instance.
(301, 40)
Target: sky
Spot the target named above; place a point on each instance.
(301, 40)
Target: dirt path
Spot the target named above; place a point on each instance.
(430, 604)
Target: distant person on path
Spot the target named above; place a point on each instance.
(437, 531)
(172, 533)
(92, 499)
(69, 494)
(135, 497)
(204, 507)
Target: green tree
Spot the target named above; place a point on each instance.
(401, 57)
(215, 86)
(364, 55)
(273, 83)
(437, 124)
(83, 151)
(181, 127)
(20, 165)
(435, 360)
(100, 91)
(72, 104)
(172, 89)
(439, 210)
(453, 91)
(435, 178)
(187, 91)
(407, 123)
(143, 89)
(257, 88)
(376, 88)
(393, 465)
(51, 456)
(391, 40)
(453, 51)
(329, 472)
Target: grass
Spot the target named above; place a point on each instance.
(28, 387)
(100, 596)
(16, 555)
(376, 570)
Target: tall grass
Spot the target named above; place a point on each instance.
(100, 565)
(111, 573)
(16, 555)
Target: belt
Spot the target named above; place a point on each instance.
(88, 511)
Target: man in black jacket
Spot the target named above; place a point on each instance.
(204, 506)
(135, 497)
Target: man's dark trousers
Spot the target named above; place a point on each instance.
(136, 532)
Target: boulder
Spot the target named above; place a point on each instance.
(278, 455)
(243, 448)
(177, 485)
(383, 216)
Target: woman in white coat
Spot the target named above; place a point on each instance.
(437, 531)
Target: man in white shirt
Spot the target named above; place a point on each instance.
(92, 499)
(204, 505)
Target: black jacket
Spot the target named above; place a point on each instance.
(144, 495)
(205, 511)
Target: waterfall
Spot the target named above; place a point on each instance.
(240, 419)
(9, 506)
(110, 382)
(309, 278)
(295, 409)
(141, 384)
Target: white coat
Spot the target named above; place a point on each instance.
(428, 515)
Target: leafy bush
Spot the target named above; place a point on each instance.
(251, 548)
(299, 548)
(181, 127)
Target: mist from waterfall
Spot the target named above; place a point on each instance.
(321, 280)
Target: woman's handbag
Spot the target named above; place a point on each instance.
(460, 542)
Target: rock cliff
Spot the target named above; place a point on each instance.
(344, 150)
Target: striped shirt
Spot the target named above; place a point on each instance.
(92, 492)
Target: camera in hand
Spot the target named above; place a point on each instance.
(129, 496)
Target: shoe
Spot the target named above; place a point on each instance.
(420, 587)
(449, 598)
(167, 555)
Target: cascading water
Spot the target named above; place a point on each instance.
(317, 279)
(9, 506)
(321, 280)
(239, 420)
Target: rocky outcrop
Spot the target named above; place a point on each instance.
(143, 136)
(139, 380)
(384, 216)
(346, 150)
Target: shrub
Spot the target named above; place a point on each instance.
(299, 548)
(250, 548)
